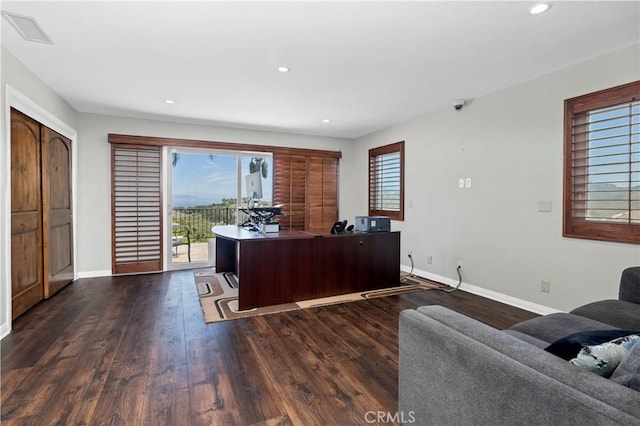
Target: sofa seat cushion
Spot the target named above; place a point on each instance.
(553, 327)
(617, 313)
(527, 338)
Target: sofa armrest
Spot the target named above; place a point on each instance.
(455, 370)
(630, 285)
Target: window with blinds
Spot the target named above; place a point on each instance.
(137, 207)
(602, 165)
(386, 181)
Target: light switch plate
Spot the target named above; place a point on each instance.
(461, 183)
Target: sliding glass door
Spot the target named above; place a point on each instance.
(203, 193)
(208, 188)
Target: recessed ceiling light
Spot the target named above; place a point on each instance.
(326, 120)
(283, 69)
(169, 101)
(539, 8)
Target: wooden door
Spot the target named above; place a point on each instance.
(57, 211)
(27, 287)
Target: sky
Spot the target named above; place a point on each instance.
(198, 179)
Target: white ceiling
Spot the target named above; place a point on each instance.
(363, 65)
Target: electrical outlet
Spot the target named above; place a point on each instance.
(545, 286)
(429, 260)
(460, 264)
(410, 253)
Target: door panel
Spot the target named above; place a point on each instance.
(27, 287)
(58, 227)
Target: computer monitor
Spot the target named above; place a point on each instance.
(254, 185)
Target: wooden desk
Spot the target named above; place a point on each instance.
(289, 266)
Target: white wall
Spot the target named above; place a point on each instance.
(510, 143)
(94, 172)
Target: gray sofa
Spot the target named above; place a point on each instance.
(456, 370)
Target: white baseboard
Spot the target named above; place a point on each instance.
(489, 294)
(94, 274)
(5, 329)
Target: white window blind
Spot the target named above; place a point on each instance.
(136, 204)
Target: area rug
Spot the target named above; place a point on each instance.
(218, 294)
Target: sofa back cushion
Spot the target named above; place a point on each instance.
(630, 285)
(618, 313)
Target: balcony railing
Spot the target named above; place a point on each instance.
(194, 223)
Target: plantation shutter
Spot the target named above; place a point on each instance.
(386, 181)
(307, 189)
(136, 208)
(322, 193)
(602, 176)
(289, 189)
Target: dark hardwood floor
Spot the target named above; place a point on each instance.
(135, 350)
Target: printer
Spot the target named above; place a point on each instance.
(373, 224)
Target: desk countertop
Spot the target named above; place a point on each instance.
(236, 232)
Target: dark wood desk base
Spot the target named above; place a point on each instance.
(294, 265)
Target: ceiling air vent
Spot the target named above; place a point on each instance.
(27, 27)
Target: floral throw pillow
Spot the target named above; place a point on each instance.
(604, 358)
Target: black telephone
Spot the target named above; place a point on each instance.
(339, 227)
